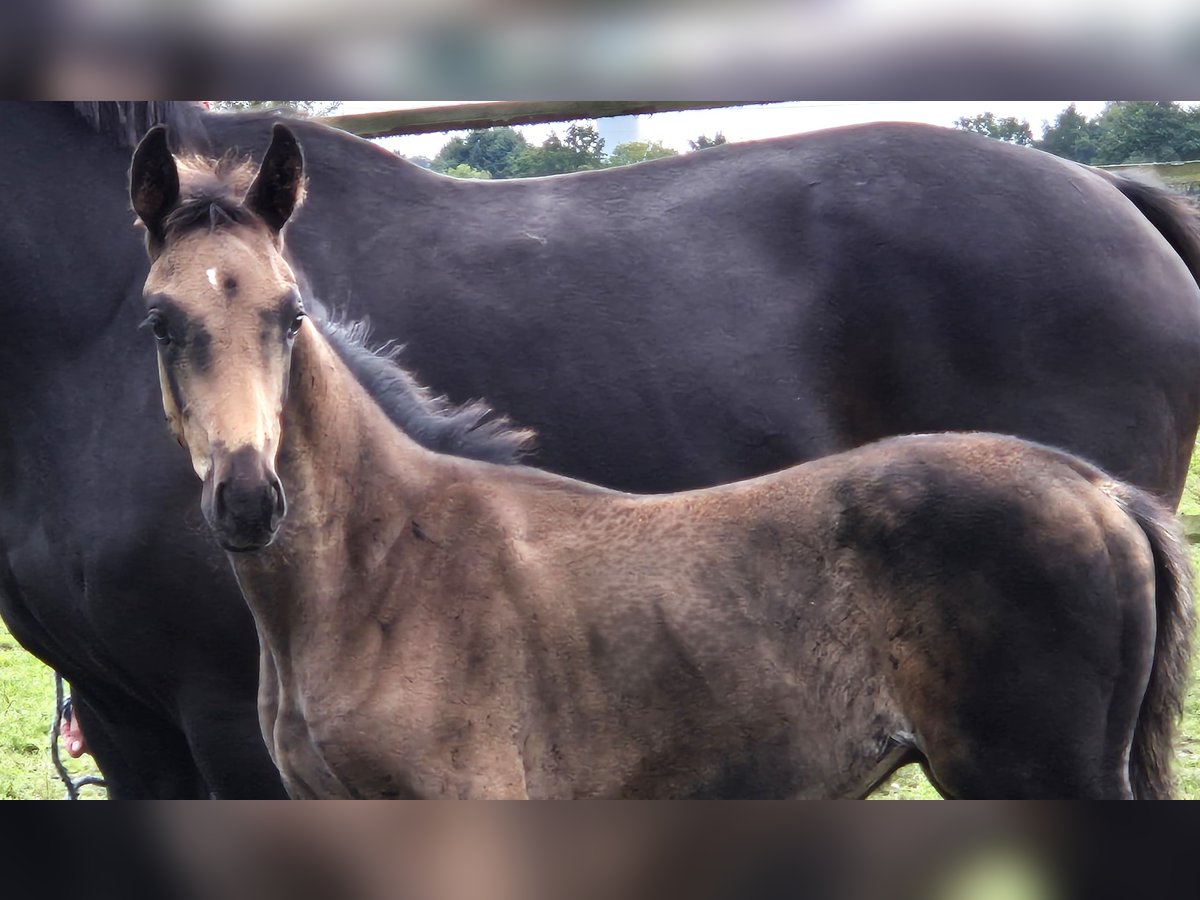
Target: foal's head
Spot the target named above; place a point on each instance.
(224, 309)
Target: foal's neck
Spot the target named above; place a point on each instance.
(340, 452)
(352, 481)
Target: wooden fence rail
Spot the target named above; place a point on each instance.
(491, 114)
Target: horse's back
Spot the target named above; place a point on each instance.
(738, 310)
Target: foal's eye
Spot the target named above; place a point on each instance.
(158, 324)
(295, 326)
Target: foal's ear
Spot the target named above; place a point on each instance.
(154, 181)
(275, 192)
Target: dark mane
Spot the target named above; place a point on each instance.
(127, 120)
(471, 430)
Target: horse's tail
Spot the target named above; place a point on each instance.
(1154, 736)
(1176, 218)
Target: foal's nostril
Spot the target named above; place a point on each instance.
(247, 502)
(279, 508)
(219, 500)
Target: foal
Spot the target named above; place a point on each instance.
(436, 626)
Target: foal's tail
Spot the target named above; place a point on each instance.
(1176, 218)
(1162, 705)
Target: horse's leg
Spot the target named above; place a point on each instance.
(228, 746)
(140, 755)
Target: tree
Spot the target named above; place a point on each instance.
(584, 141)
(1072, 136)
(491, 150)
(581, 149)
(638, 151)
(463, 170)
(704, 142)
(301, 107)
(1136, 131)
(1125, 132)
(1010, 129)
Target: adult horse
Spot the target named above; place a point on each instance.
(432, 626)
(666, 326)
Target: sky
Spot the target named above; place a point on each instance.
(746, 123)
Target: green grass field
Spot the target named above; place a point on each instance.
(26, 708)
(27, 703)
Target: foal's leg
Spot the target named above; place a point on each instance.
(1062, 731)
(1045, 712)
(1028, 767)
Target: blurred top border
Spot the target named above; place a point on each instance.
(460, 49)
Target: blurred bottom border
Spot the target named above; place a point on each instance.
(598, 851)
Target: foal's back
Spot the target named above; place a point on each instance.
(975, 601)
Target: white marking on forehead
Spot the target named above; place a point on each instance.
(212, 276)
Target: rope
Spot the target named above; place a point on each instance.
(72, 784)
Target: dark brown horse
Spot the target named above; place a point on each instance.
(435, 626)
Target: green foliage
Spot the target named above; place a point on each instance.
(584, 140)
(1127, 131)
(1072, 136)
(300, 107)
(704, 142)
(491, 150)
(505, 153)
(26, 706)
(465, 170)
(1147, 132)
(1010, 129)
(580, 149)
(638, 151)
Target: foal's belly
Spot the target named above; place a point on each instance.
(391, 753)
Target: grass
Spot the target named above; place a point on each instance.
(27, 704)
(26, 708)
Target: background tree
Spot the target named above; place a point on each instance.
(464, 170)
(1125, 131)
(1071, 136)
(491, 150)
(581, 148)
(1010, 129)
(301, 107)
(585, 141)
(704, 141)
(638, 151)
(505, 153)
(1134, 131)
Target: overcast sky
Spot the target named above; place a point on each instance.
(752, 122)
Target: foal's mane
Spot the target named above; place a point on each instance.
(470, 430)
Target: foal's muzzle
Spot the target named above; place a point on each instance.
(244, 502)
